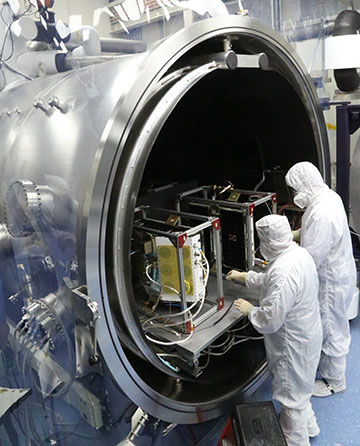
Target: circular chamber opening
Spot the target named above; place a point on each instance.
(204, 139)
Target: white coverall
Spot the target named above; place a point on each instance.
(325, 235)
(289, 318)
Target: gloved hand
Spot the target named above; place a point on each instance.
(243, 306)
(296, 235)
(236, 275)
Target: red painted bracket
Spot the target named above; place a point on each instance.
(227, 434)
(220, 304)
(216, 224)
(251, 208)
(181, 239)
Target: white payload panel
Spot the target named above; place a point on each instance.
(168, 269)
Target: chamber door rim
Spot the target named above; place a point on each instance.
(139, 155)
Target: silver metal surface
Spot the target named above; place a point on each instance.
(86, 314)
(219, 282)
(99, 149)
(180, 264)
(253, 61)
(203, 317)
(10, 398)
(250, 240)
(223, 320)
(51, 376)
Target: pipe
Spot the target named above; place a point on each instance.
(110, 45)
(87, 40)
(83, 41)
(28, 28)
(347, 22)
(72, 62)
(308, 31)
(52, 62)
(226, 59)
(34, 62)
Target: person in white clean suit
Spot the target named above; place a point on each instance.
(289, 318)
(325, 235)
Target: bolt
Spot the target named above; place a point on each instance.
(94, 360)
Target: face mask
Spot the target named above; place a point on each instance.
(265, 251)
(301, 200)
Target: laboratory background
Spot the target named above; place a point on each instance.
(143, 145)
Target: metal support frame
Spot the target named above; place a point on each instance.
(178, 236)
(180, 265)
(264, 197)
(347, 122)
(246, 208)
(219, 282)
(86, 315)
(250, 237)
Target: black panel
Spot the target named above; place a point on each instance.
(233, 234)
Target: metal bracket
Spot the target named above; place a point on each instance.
(55, 102)
(253, 61)
(138, 423)
(170, 427)
(86, 315)
(40, 105)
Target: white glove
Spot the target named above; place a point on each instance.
(243, 306)
(296, 235)
(236, 275)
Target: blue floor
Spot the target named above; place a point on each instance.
(339, 415)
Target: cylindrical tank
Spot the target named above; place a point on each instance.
(170, 115)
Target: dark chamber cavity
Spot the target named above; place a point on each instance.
(233, 126)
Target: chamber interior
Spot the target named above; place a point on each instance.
(246, 126)
(233, 125)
